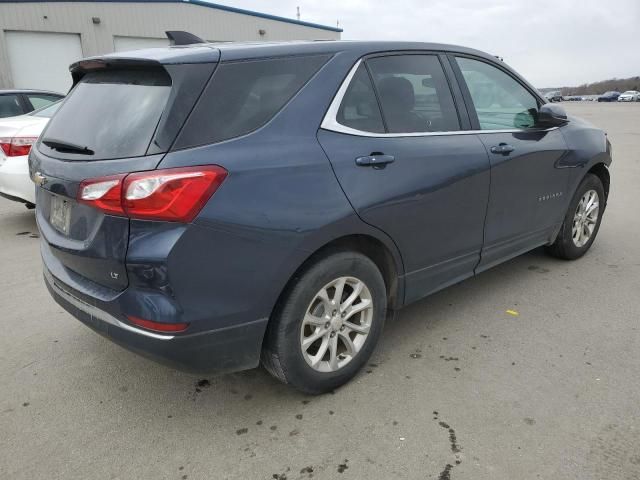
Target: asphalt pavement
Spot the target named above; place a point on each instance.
(458, 388)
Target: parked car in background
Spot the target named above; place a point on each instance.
(213, 205)
(574, 98)
(17, 135)
(20, 102)
(555, 96)
(609, 97)
(629, 96)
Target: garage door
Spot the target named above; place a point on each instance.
(41, 59)
(122, 44)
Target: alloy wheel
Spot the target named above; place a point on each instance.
(585, 218)
(336, 324)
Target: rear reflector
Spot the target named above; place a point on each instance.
(174, 194)
(157, 326)
(17, 146)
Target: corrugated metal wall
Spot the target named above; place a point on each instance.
(140, 20)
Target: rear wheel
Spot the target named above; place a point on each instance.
(327, 324)
(582, 221)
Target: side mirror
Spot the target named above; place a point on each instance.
(551, 115)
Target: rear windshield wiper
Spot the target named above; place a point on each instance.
(66, 147)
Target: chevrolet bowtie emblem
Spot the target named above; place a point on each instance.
(39, 179)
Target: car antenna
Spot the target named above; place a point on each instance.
(178, 37)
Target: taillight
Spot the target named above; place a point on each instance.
(17, 146)
(103, 193)
(174, 194)
(157, 326)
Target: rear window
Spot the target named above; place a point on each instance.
(243, 96)
(10, 106)
(109, 114)
(42, 100)
(46, 112)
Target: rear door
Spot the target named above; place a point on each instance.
(114, 121)
(528, 181)
(393, 135)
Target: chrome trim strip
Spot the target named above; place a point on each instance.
(330, 122)
(97, 313)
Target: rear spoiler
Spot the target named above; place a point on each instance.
(190, 68)
(199, 51)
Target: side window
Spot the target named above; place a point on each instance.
(500, 101)
(243, 96)
(10, 106)
(414, 94)
(39, 101)
(359, 108)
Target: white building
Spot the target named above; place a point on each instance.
(40, 39)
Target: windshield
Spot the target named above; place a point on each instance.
(108, 114)
(46, 112)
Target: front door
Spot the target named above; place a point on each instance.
(528, 184)
(394, 140)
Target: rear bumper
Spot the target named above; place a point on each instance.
(15, 182)
(218, 351)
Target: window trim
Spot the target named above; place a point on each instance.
(330, 122)
(25, 104)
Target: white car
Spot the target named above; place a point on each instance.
(629, 96)
(17, 135)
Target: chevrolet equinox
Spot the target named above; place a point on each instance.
(217, 206)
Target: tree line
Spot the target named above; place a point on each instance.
(597, 88)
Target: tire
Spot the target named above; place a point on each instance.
(567, 245)
(283, 354)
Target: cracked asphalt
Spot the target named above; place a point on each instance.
(459, 388)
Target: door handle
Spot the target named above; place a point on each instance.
(502, 149)
(375, 160)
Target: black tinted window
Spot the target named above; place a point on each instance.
(113, 113)
(10, 106)
(501, 102)
(414, 94)
(243, 96)
(359, 108)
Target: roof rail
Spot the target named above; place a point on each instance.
(178, 37)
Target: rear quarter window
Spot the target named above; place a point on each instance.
(243, 96)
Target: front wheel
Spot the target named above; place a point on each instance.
(327, 324)
(582, 221)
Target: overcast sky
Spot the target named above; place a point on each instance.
(553, 43)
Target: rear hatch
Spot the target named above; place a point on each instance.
(121, 116)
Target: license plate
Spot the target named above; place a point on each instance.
(60, 214)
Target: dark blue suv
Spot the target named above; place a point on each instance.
(214, 206)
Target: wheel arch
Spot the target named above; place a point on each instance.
(601, 171)
(387, 261)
